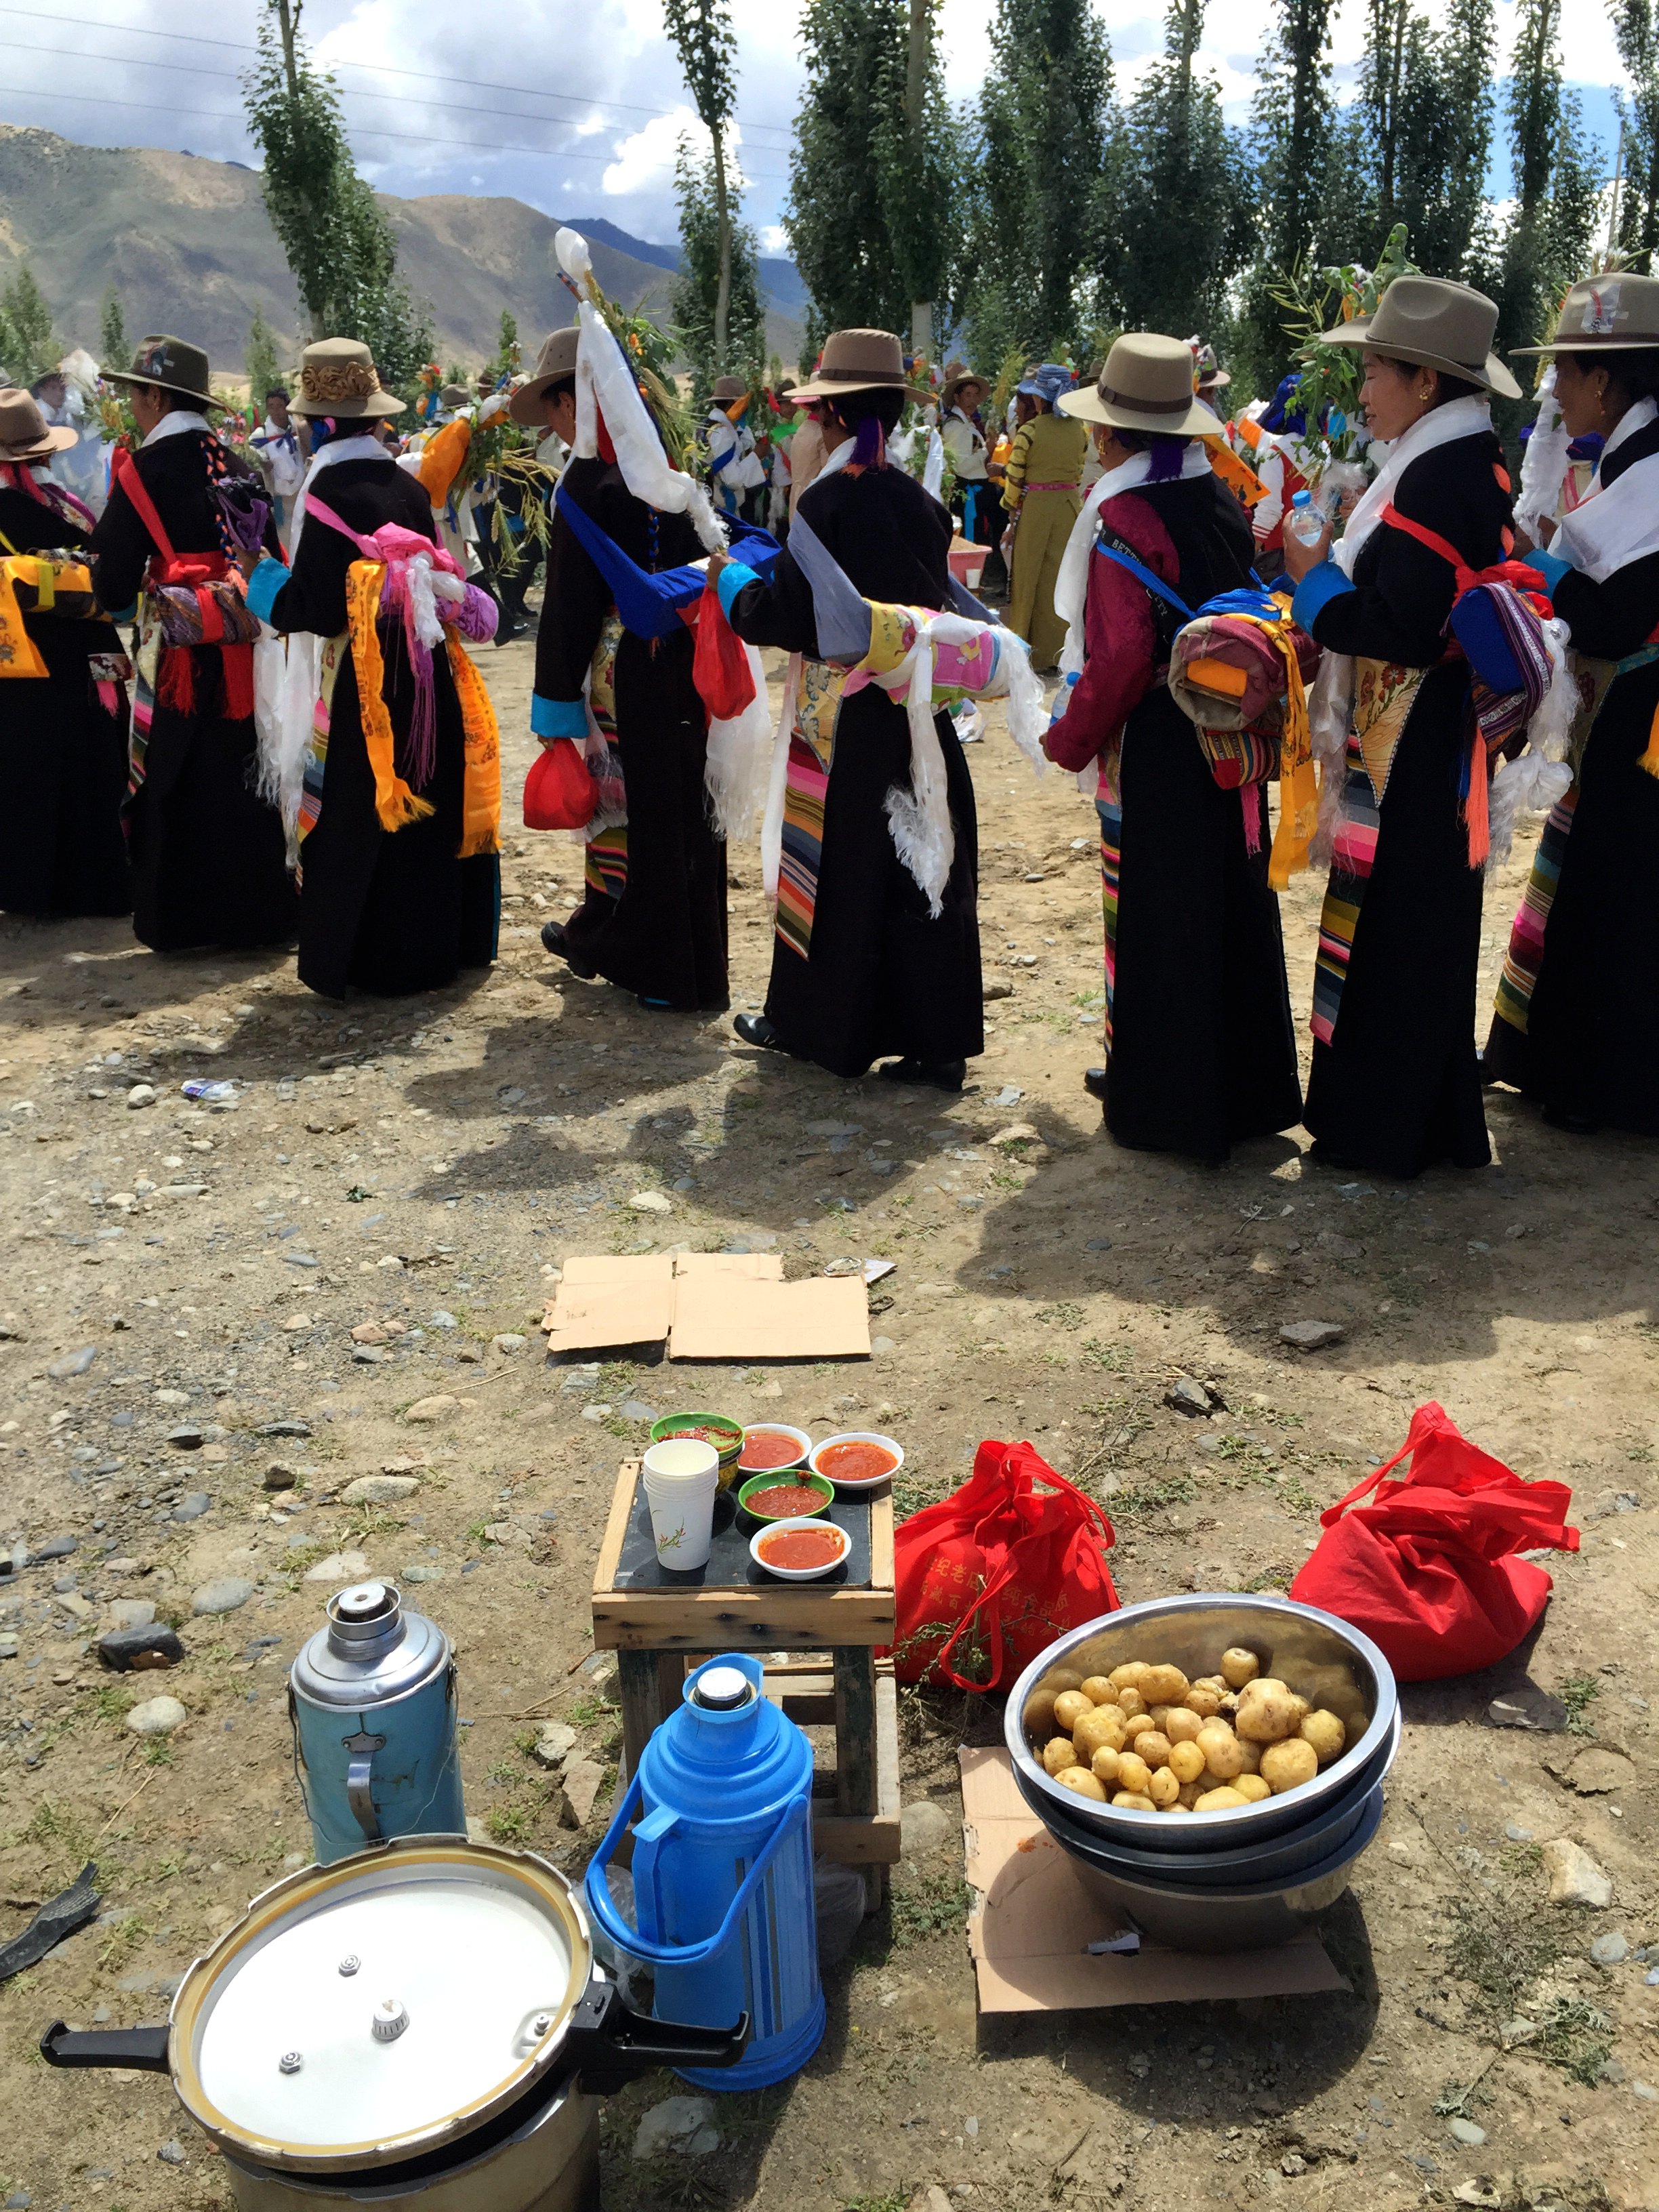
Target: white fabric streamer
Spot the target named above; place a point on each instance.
(777, 788)
(1540, 774)
(933, 469)
(1072, 584)
(1544, 464)
(735, 773)
(1617, 523)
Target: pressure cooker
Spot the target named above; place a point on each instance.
(422, 2027)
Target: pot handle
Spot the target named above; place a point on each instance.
(144, 2048)
(612, 2044)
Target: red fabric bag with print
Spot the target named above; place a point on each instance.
(1428, 1570)
(988, 1577)
(720, 667)
(559, 792)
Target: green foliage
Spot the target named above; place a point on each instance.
(1577, 1693)
(1426, 104)
(696, 291)
(1307, 300)
(936, 1905)
(1636, 29)
(114, 348)
(264, 364)
(28, 348)
(506, 362)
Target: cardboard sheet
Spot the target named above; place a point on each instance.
(603, 1303)
(726, 1317)
(754, 1267)
(583, 1269)
(1035, 1919)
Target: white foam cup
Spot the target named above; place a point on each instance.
(682, 1481)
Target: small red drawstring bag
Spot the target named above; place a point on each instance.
(1428, 1570)
(559, 793)
(1002, 1567)
(720, 667)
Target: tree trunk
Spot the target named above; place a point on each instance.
(288, 16)
(723, 286)
(917, 56)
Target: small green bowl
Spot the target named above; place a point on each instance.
(679, 1424)
(797, 1478)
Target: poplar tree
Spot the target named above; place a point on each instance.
(1426, 108)
(27, 347)
(1556, 183)
(114, 349)
(708, 47)
(1636, 28)
(697, 288)
(262, 362)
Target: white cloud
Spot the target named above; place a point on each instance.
(773, 239)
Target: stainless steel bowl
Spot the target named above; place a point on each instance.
(1250, 1918)
(1279, 1858)
(1314, 1651)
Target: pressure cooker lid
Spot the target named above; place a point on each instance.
(380, 2007)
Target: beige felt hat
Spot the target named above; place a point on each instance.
(24, 435)
(338, 377)
(556, 359)
(859, 360)
(1606, 314)
(728, 390)
(1146, 385)
(169, 365)
(1437, 324)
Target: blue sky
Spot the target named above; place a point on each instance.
(577, 110)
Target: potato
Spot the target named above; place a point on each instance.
(1251, 1754)
(1180, 1724)
(1300, 1708)
(1186, 1762)
(1070, 1706)
(1130, 1701)
(1099, 1688)
(1127, 1676)
(1204, 1701)
(1132, 1772)
(1238, 1666)
(1326, 1732)
(1190, 1794)
(1105, 1763)
(1058, 1753)
(1040, 1716)
(1219, 1801)
(1220, 1746)
(1163, 1686)
(1104, 1725)
(1138, 1724)
(1216, 1682)
(1251, 1787)
(1133, 1802)
(1164, 1789)
(1154, 1746)
(1081, 1779)
(1265, 1713)
(1288, 1764)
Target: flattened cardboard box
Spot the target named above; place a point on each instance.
(707, 1305)
(1030, 1933)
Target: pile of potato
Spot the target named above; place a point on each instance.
(1146, 1738)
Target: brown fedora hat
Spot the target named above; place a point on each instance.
(1146, 385)
(728, 390)
(556, 359)
(168, 364)
(338, 378)
(24, 435)
(859, 360)
(1606, 314)
(1437, 324)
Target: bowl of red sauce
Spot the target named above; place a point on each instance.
(857, 1459)
(799, 1550)
(717, 1429)
(769, 1446)
(786, 1494)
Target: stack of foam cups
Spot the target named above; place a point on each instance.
(681, 1480)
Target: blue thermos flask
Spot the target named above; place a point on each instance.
(371, 1700)
(723, 1873)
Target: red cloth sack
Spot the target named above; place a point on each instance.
(559, 793)
(1428, 1569)
(720, 667)
(988, 1577)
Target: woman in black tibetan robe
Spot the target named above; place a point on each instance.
(860, 966)
(1396, 1082)
(381, 909)
(653, 920)
(62, 735)
(209, 860)
(1200, 1051)
(1577, 1025)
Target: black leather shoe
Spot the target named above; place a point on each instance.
(557, 939)
(1094, 1081)
(755, 1028)
(939, 1074)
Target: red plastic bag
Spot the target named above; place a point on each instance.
(720, 667)
(559, 793)
(997, 1570)
(1428, 1569)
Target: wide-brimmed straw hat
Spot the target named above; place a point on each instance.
(169, 365)
(556, 359)
(1606, 315)
(1437, 324)
(24, 434)
(338, 378)
(1146, 385)
(859, 360)
(956, 373)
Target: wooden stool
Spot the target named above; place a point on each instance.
(658, 1623)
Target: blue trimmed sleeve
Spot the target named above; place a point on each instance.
(734, 577)
(262, 585)
(1550, 566)
(1315, 591)
(557, 718)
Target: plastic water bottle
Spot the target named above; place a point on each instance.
(1307, 522)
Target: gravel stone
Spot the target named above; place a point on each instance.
(151, 1645)
(73, 1363)
(1312, 1335)
(157, 1717)
(1575, 1878)
(224, 1595)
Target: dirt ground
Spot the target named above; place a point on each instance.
(429, 1165)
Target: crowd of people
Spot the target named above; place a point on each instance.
(237, 701)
